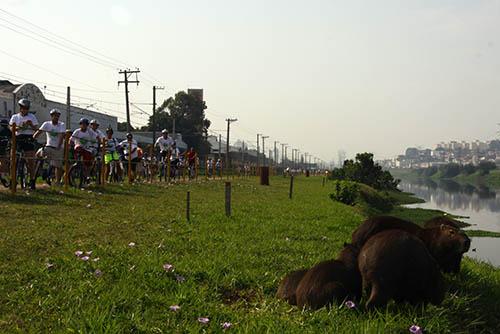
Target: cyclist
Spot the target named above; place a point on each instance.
(175, 159)
(84, 139)
(26, 125)
(164, 142)
(94, 125)
(5, 136)
(191, 160)
(54, 131)
(132, 150)
(112, 156)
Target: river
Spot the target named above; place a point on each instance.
(479, 203)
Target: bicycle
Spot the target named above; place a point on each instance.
(76, 175)
(44, 167)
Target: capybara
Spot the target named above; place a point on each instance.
(329, 281)
(288, 286)
(445, 243)
(395, 264)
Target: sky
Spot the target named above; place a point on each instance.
(319, 75)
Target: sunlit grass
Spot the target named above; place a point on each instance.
(231, 266)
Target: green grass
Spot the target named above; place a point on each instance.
(232, 266)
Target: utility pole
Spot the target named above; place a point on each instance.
(126, 81)
(286, 149)
(283, 154)
(68, 109)
(220, 145)
(243, 153)
(154, 111)
(275, 154)
(264, 150)
(258, 152)
(228, 155)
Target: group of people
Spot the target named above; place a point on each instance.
(88, 141)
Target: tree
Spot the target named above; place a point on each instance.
(485, 167)
(188, 111)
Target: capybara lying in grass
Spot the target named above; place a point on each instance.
(445, 243)
(395, 264)
(330, 281)
(288, 286)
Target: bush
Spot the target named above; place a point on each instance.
(345, 192)
(485, 167)
(450, 170)
(468, 169)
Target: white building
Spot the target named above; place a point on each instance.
(40, 106)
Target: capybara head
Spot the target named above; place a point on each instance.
(447, 244)
(349, 254)
(440, 220)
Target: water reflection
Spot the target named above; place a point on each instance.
(450, 195)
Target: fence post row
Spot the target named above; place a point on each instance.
(13, 161)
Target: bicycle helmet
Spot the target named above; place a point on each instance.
(129, 135)
(84, 121)
(25, 103)
(109, 130)
(94, 121)
(164, 131)
(54, 111)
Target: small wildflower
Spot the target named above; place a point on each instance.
(99, 193)
(89, 206)
(88, 253)
(168, 267)
(84, 258)
(78, 253)
(324, 238)
(414, 329)
(180, 278)
(27, 193)
(174, 308)
(96, 259)
(49, 265)
(350, 304)
(61, 192)
(131, 268)
(90, 191)
(131, 244)
(203, 320)
(287, 239)
(98, 273)
(226, 325)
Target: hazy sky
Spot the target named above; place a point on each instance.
(321, 75)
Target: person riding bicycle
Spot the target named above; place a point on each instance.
(164, 143)
(191, 160)
(84, 139)
(26, 125)
(53, 149)
(132, 150)
(175, 156)
(111, 156)
(5, 137)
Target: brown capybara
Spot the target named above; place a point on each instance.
(329, 281)
(445, 243)
(395, 264)
(288, 286)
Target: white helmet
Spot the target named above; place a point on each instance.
(164, 131)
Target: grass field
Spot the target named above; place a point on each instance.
(226, 269)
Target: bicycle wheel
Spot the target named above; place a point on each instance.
(76, 178)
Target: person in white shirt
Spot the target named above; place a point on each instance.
(164, 143)
(111, 155)
(84, 140)
(94, 125)
(53, 150)
(130, 149)
(26, 125)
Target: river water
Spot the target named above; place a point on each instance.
(479, 203)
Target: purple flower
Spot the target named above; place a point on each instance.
(226, 325)
(350, 304)
(203, 320)
(168, 267)
(98, 273)
(174, 308)
(131, 244)
(84, 258)
(180, 278)
(414, 329)
(78, 253)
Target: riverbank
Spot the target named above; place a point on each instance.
(225, 269)
(490, 180)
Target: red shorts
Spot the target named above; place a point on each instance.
(87, 156)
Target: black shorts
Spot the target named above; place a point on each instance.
(25, 143)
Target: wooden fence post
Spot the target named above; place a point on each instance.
(228, 199)
(188, 206)
(66, 159)
(291, 187)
